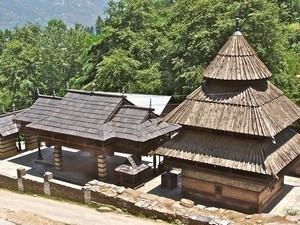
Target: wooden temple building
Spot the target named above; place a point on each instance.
(235, 144)
(43, 107)
(8, 136)
(98, 123)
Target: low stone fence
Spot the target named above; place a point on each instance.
(127, 199)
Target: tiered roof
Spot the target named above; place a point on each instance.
(236, 99)
(264, 157)
(236, 96)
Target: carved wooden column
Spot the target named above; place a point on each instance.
(102, 167)
(58, 158)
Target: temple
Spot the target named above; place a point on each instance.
(236, 143)
(91, 121)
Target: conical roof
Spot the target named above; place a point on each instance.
(236, 102)
(237, 98)
(237, 61)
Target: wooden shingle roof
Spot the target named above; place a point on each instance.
(252, 108)
(232, 152)
(236, 101)
(7, 127)
(138, 124)
(237, 61)
(43, 107)
(101, 116)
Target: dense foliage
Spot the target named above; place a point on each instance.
(148, 46)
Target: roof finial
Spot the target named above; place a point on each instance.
(38, 91)
(93, 86)
(123, 91)
(3, 109)
(237, 23)
(54, 94)
(68, 87)
(150, 103)
(13, 107)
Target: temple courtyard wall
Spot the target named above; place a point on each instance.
(15, 176)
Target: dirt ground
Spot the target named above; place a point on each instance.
(34, 210)
(23, 217)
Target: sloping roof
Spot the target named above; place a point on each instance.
(158, 102)
(7, 127)
(134, 123)
(255, 109)
(81, 114)
(237, 61)
(43, 107)
(132, 166)
(101, 116)
(236, 153)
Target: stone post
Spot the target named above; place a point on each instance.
(58, 158)
(102, 167)
(87, 194)
(20, 174)
(47, 177)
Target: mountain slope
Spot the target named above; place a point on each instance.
(18, 12)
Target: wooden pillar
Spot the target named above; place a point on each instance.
(102, 167)
(58, 158)
(154, 165)
(19, 142)
(40, 157)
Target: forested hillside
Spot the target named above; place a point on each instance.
(147, 46)
(18, 12)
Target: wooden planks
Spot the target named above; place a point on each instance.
(237, 61)
(234, 152)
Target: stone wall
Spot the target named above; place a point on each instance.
(8, 182)
(127, 199)
(66, 190)
(33, 184)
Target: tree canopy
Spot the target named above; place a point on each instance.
(147, 46)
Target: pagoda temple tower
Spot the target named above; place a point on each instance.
(236, 143)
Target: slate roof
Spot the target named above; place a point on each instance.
(132, 167)
(43, 107)
(138, 124)
(98, 116)
(232, 152)
(7, 127)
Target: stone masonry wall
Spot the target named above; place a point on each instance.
(127, 199)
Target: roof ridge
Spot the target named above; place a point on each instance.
(49, 96)
(97, 93)
(137, 107)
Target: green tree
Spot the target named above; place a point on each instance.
(133, 31)
(18, 68)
